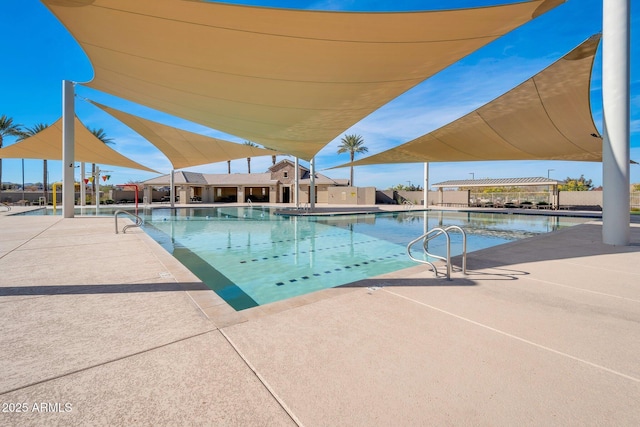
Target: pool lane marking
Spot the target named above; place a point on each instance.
(244, 261)
(498, 331)
(262, 379)
(345, 267)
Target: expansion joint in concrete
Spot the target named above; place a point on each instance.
(262, 380)
(117, 359)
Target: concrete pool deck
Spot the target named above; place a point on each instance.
(106, 329)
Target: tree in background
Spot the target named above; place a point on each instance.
(30, 131)
(250, 144)
(352, 144)
(102, 136)
(273, 156)
(7, 128)
(401, 187)
(573, 184)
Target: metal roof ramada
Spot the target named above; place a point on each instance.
(193, 177)
(497, 182)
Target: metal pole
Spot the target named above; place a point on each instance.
(172, 190)
(616, 117)
(83, 186)
(97, 178)
(297, 180)
(22, 179)
(426, 185)
(68, 149)
(312, 184)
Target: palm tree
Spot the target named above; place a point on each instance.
(102, 136)
(7, 128)
(30, 132)
(352, 144)
(273, 156)
(250, 144)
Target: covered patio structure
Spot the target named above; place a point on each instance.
(507, 202)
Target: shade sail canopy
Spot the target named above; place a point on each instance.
(548, 117)
(183, 148)
(291, 80)
(47, 144)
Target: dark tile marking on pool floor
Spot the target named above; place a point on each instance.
(271, 242)
(354, 266)
(313, 250)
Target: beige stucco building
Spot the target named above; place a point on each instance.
(277, 185)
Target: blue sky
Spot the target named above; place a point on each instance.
(40, 53)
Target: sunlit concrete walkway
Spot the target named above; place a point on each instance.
(106, 329)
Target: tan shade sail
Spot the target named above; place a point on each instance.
(183, 148)
(47, 144)
(548, 117)
(291, 80)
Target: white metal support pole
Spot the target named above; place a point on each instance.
(426, 184)
(68, 148)
(172, 191)
(615, 108)
(97, 181)
(297, 180)
(312, 184)
(83, 186)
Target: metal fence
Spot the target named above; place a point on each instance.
(635, 200)
(511, 197)
(499, 199)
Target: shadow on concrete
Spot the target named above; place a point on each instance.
(584, 240)
(457, 279)
(100, 289)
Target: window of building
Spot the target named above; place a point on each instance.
(286, 174)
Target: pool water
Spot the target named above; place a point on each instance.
(251, 257)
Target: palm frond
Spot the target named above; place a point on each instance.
(102, 136)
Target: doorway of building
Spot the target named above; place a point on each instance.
(286, 194)
(315, 199)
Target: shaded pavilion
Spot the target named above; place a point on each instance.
(500, 182)
(291, 80)
(318, 77)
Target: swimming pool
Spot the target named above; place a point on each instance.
(250, 256)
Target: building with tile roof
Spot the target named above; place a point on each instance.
(277, 185)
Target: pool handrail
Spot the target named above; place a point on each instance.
(432, 234)
(138, 223)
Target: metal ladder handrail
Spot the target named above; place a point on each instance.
(139, 221)
(464, 245)
(432, 234)
(249, 202)
(426, 238)
(2, 205)
(408, 204)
